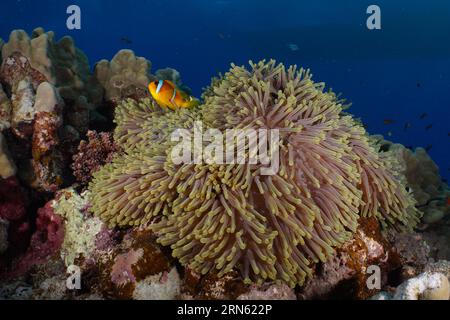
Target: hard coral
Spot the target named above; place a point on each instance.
(58, 62)
(92, 155)
(231, 216)
(124, 76)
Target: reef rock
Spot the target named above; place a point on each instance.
(124, 76)
(92, 155)
(421, 172)
(269, 292)
(427, 286)
(23, 98)
(7, 165)
(345, 275)
(135, 268)
(58, 62)
(81, 230)
(45, 242)
(5, 110)
(47, 159)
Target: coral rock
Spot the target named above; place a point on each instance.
(162, 286)
(7, 165)
(130, 263)
(427, 286)
(92, 155)
(81, 230)
(47, 159)
(269, 292)
(124, 76)
(5, 110)
(59, 62)
(45, 241)
(22, 109)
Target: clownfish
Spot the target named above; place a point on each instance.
(167, 95)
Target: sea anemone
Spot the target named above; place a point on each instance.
(231, 216)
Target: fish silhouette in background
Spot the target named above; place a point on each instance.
(428, 147)
(407, 126)
(388, 121)
(428, 127)
(423, 116)
(126, 40)
(293, 47)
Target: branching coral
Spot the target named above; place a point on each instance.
(231, 216)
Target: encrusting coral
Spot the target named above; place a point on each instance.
(231, 216)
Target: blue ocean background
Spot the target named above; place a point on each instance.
(397, 73)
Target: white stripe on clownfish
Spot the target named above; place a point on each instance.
(174, 95)
(160, 85)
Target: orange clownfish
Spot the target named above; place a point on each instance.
(167, 95)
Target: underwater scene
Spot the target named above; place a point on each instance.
(224, 150)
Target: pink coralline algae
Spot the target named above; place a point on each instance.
(92, 155)
(45, 241)
(122, 272)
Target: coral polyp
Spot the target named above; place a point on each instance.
(231, 216)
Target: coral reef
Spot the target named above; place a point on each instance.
(421, 173)
(81, 231)
(426, 286)
(149, 228)
(345, 275)
(124, 76)
(92, 155)
(45, 242)
(47, 160)
(135, 268)
(46, 99)
(329, 176)
(59, 62)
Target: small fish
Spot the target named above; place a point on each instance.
(407, 126)
(428, 147)
(126, 40)
(428, 127)
(389, 134)
(293, 47)
(418, 85)
(423, 116)
(410, 148)
(168, 95)
(388, 121)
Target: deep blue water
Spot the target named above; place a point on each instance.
(395, 73)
